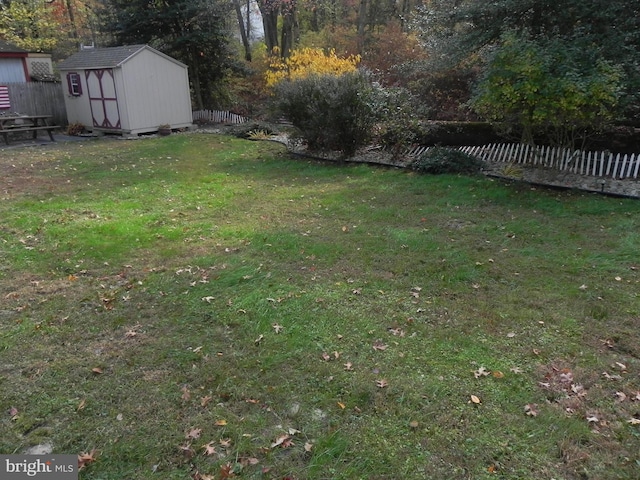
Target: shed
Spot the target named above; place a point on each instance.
(129, 90)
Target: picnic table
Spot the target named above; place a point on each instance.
(26, 123)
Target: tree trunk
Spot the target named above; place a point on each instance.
(270, 24)
(72, 20)
(243, 30)
(194, 76)
(362, 23)
(288, 33)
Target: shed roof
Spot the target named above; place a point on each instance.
(106, 57)
(6, 47)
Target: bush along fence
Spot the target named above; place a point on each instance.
(218, 116)
(596, 164)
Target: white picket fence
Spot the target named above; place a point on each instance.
(596, 164)
(218, 116)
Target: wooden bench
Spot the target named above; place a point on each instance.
(26, 123)
(49, 129)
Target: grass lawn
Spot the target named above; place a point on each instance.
(202, 307)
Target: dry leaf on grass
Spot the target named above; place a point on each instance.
(85, 458)
(209, 449)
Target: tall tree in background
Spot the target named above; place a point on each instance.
(244, 24)
(271, 11)
(594, 31)
(51, 26)
(30, 24)
(193, 31)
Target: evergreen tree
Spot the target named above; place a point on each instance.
(193, 31)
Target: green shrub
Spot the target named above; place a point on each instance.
(331, 112)
(439, 160)
(400, 112)
(249, 129)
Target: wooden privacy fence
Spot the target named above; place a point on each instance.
(38, 98)
(596, 164)
(218, 116)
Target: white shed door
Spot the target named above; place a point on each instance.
(103, 99)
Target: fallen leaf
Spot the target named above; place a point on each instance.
(413, 424)
(226, 471)
(592, 419)
(277, 327)
(225, 442)
(186, 394)
(481, 372)
(634, 421)
(186, 450)
(308, 447)
(476, 399)
(382, 383)
(398, 332)
(342, 405)
(209, 449)
(516, 370)
(348, 366)
(498, 374)
(611, 377)
(621, 366)
(281, 441)
(621, 396)
(220, 423)
(194, 433)
(208, 299)
(531, 409)
(97, 370)
(204, 401)
(379, 346)
(258, 340)
(85, 458)
(13, 413)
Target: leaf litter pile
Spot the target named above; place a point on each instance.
(202, 307)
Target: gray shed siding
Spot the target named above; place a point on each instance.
(163, 96)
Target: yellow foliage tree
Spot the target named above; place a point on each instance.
(309, 61)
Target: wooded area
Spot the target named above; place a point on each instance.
(565, 65)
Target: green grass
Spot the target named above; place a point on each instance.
(208, 285)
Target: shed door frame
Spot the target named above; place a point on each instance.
(103, 98)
